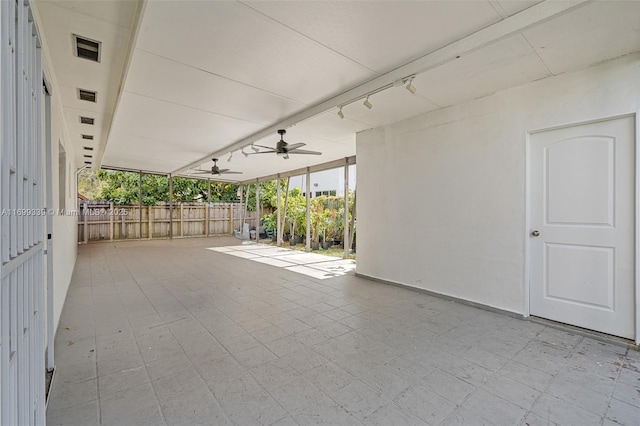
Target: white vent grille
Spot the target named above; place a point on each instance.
(88, 95)
(87, 49)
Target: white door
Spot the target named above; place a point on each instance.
(582, 226)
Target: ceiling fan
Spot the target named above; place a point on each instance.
(282, 148)
(215, 170)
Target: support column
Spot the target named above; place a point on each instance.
(140, 205)
(257, 211)
(111, 223)
(150, 221)
(278, 224)
(308, 197)
(85, 228)
(181, 219)
(345, 238)
(170, 206)
(242, 209)
(207, 213)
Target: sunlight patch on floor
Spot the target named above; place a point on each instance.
(311, 264)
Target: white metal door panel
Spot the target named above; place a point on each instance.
(583, 208)
(22, 367)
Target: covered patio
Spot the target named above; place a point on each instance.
(179, 332)
(498, 275)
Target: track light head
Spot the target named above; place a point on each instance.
(255, 148)
(244, 153)
(411, 88)
(230, 155)
(286, 156)
(367, 103)
(340, 113)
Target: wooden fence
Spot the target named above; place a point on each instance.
(106, 221)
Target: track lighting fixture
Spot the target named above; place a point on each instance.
(367, 103)
(286, 156)
(410, 87)
(230, 155)
(244, 153)
(340, 113)
(255, 148)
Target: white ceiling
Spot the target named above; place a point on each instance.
(204, 75)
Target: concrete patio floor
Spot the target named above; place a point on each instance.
(168, 332)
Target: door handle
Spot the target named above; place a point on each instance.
(535, 233)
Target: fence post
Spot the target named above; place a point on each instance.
(150, 222)
(111, 224)
(86, 223)
(181, 220)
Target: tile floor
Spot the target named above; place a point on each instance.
(168, 332)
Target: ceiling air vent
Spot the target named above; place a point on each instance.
(87, 162)
(88, 148)
(87, 49)
(86, 120)
(87, 137)
(87, 95)
(88, 156)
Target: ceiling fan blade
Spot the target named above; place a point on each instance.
(295, 146)
(223, 170)
(201, 172)
(265, 147)
(261, 152)
(304, 151)
(228, 172)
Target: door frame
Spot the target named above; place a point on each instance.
(528, 205)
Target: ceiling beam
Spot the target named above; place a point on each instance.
(303, 170)
(528, 18)
(134, 31)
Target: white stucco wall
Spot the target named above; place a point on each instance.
(65, 228)
(441, 196)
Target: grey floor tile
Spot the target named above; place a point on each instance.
(532, 419)
(324, 411)
(494, 409)
(623, 413)
(506, 388)
(255, 356)
(294, 393)
(257, 409)
(628, 394)
(269, 334)
(531, 377)
(121, 380)
(168, 365)
(69, 395)
(358, 399)
(195, 329)
(329, 377)
(464, 417)
(425, 404)
(194, 408)
(578, 395)
(391, 414)
(130, 405)
(220, 370)
(562, 412)
(85, 414)
(239, 387)
(171, 387)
